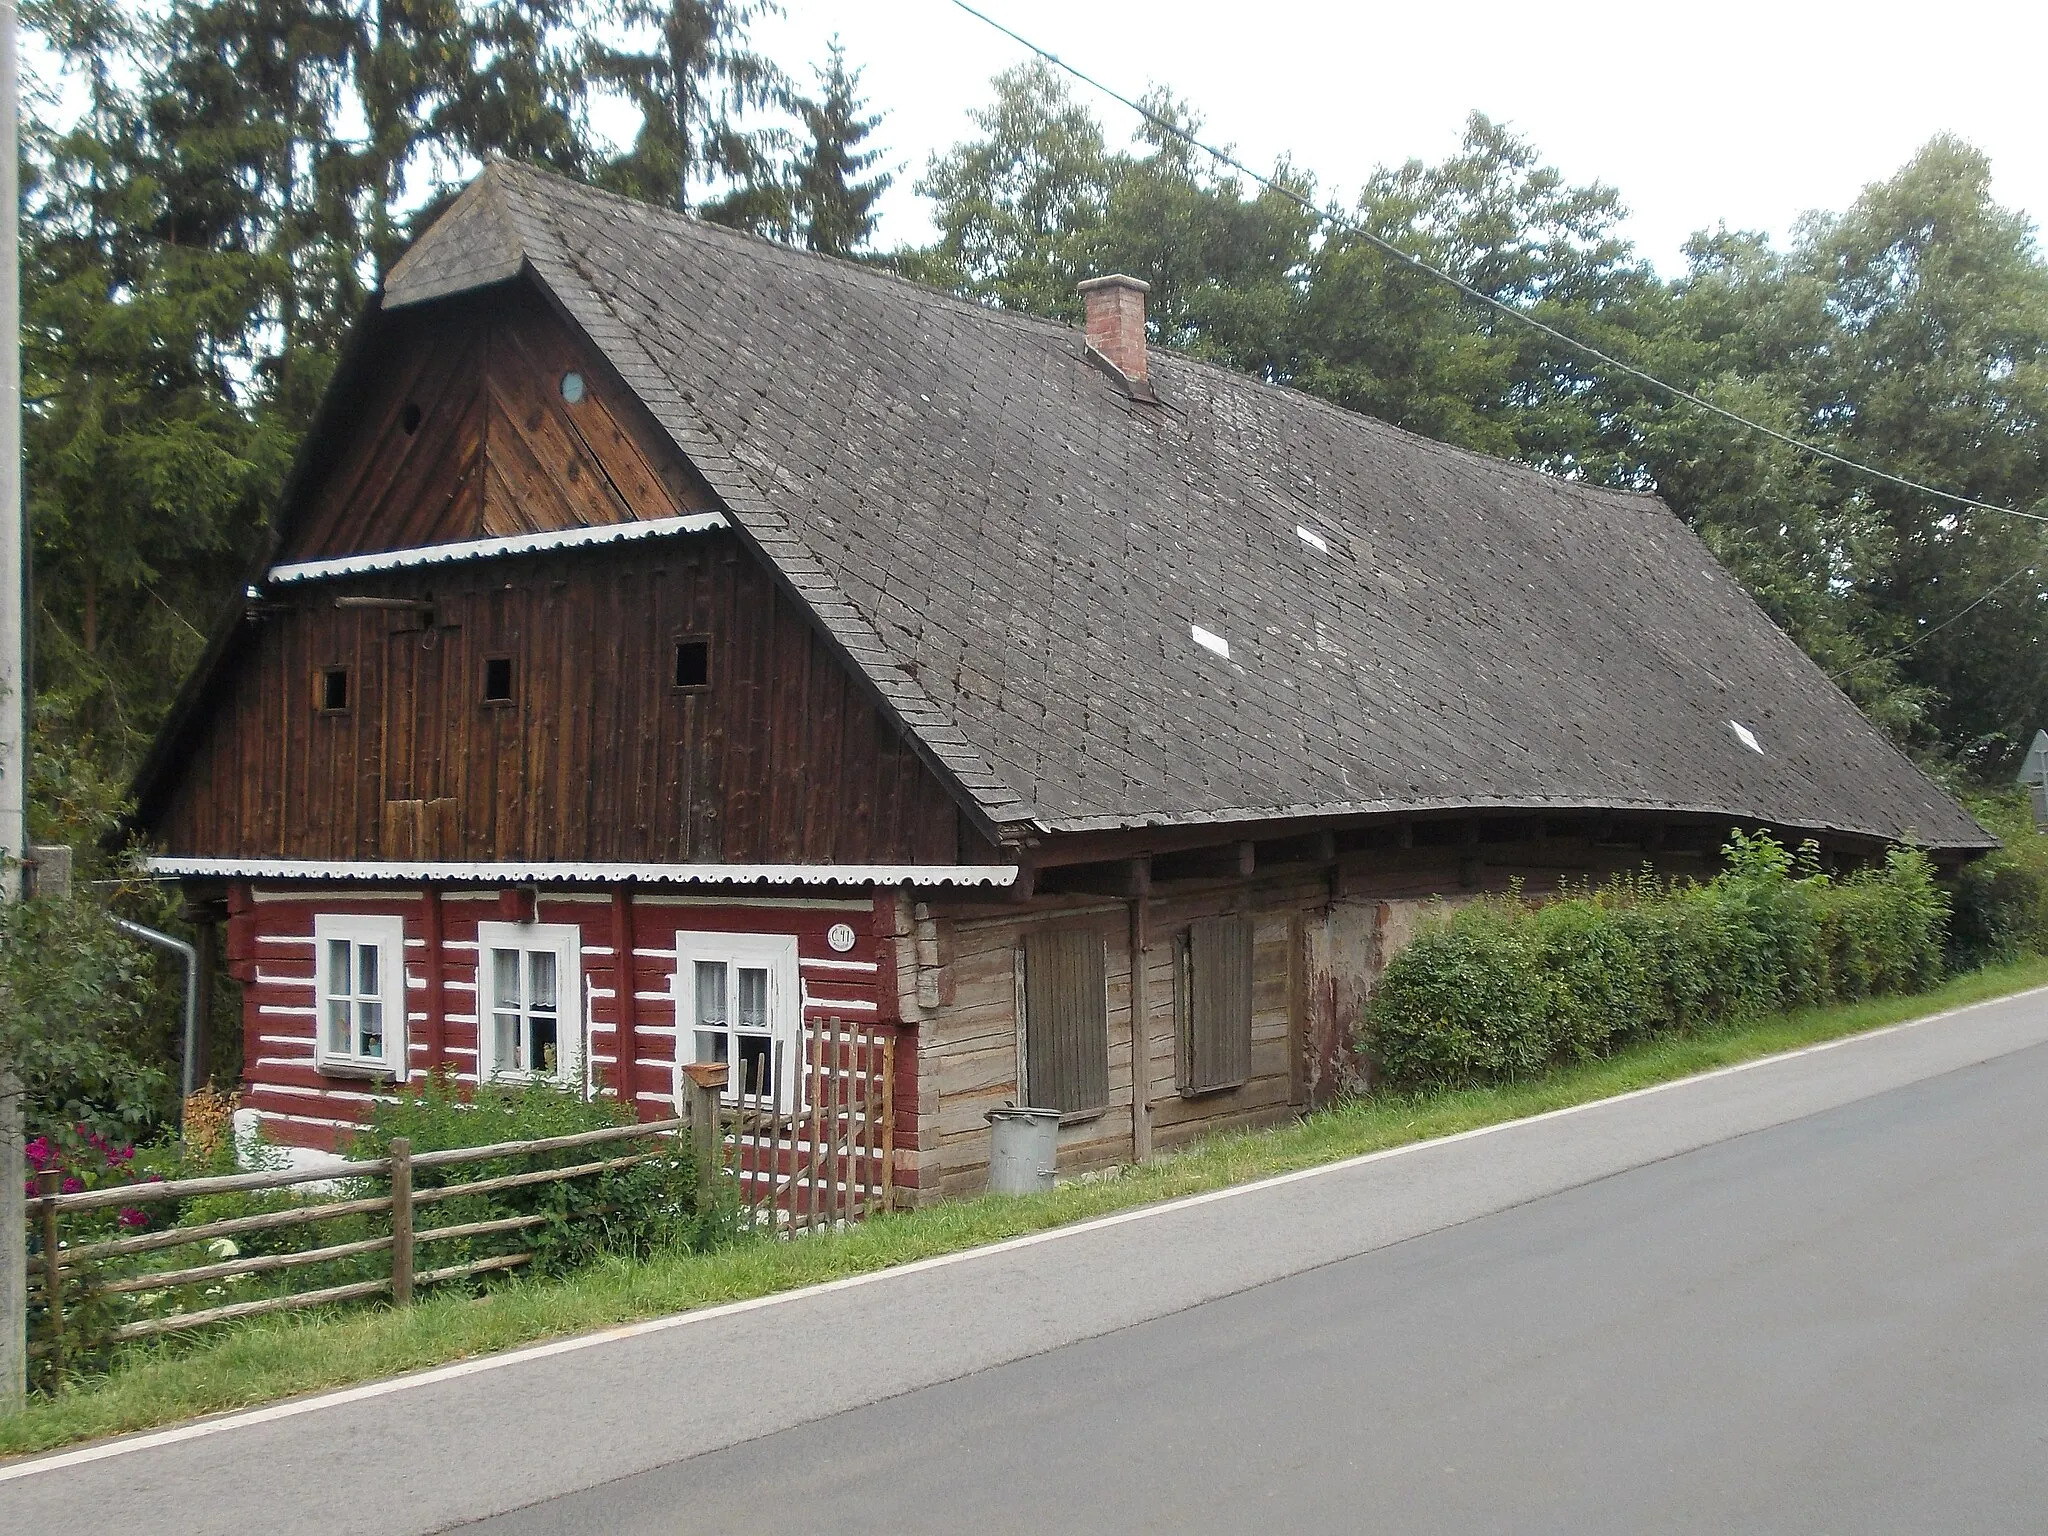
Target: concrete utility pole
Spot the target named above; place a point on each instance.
(13, 714)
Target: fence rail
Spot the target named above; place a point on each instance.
(824, 1162)
(58, 1264)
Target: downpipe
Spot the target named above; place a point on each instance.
(191, 958)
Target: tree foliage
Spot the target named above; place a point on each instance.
(834, 181)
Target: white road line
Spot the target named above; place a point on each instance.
(287, 1410)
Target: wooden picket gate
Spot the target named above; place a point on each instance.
(831, 1159)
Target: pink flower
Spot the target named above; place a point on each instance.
(134, 1216)
(73, 1183)
(38, 1152)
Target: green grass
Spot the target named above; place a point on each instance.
(271, 1358)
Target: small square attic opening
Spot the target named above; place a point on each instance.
(497, 679)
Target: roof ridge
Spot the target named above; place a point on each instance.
(697, 225)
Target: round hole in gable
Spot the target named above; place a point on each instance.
(572, 388)
(409, 419)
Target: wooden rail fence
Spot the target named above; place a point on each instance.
(827, 1161)
(57, 1265)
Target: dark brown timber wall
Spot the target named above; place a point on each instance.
(596, 754)
(459, 429)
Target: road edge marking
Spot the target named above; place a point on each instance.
(341, 1397)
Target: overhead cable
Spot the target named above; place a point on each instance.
(1337, 221)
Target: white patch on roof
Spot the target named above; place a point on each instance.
(489, 549)
(1746, 736)
(1209, 640)
(1312, 539)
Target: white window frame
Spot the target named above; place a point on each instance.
(777, 954)
(565, 942)
(387, 935)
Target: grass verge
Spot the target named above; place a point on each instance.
(271, 1358)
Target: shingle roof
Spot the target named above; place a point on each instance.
(1016, 553)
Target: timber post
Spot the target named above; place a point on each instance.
(401, 1221)
(49, 1183)
(707, 1087)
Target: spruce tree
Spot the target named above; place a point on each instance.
(835, 207)
(690, 71)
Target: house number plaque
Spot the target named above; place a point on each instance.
(840, 937)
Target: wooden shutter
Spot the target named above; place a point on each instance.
(1066, 1022)
(1216, 1004)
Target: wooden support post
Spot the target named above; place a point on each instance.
(401, 1220)
(889, 1121)
(1141, 1012)
(707, 1088)
(48, 1183)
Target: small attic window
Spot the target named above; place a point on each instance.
(572, 388)
(333, 690)
(693, 664)
(1208, 640)
(1312, 539)
(409, 418)
(1746, 736)
(498, 680)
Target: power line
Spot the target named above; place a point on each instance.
(1928, 634)
(1587, 349)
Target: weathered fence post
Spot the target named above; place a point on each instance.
(707, 1088)
(401, 1221)
(49, 1183)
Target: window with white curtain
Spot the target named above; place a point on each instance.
(359, 976)
(529, 991)
(739, 1001)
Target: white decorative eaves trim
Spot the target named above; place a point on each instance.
(489, 549)
(551, 873)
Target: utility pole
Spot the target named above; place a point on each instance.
(13, 712)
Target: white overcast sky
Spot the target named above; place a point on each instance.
(1738, 112)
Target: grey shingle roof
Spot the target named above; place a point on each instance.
(1015, 552)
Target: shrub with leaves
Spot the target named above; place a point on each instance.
(624, 1211)
(76, 999)
(1504, 988)
(2001, 900)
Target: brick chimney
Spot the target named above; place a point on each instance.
(1116, 323)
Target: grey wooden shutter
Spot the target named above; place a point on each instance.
(1216, 1004)
(1066, 1022)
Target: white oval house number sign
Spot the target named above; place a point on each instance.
(840, 937)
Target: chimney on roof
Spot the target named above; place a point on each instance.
(1116, 323)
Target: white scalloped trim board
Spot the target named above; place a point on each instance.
(538, 873)
(489, 549)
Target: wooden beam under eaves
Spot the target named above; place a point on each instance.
(1124, 878)
(1227, 861)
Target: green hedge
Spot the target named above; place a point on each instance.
(2001, 905)
(1504, 988)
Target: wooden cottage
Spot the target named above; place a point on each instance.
(670, 640)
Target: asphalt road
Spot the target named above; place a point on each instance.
(1805, 1296)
